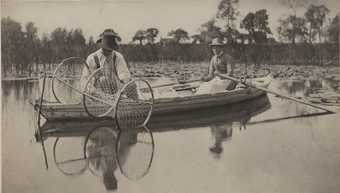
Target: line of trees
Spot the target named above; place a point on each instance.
(313, 26)
(23, 52)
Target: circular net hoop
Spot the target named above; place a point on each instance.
(99, 150)
(135, 150)
(134, 105)
(65, 76)
(67, 158)
(99, 93)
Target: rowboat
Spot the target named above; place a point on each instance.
(219, 115)
(163, 105)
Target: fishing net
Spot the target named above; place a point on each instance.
(134, 105)
(99, 93)
(65, 80)
(99, 150)
(130, 104)
(135, 150)
(68, 156)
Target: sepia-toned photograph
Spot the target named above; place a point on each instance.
(177, 96)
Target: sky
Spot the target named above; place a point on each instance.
(128, 16)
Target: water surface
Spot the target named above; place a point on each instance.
(295, 155)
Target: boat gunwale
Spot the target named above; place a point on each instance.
(247, 91)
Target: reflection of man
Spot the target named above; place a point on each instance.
(109, 59)
(102, 155)
(221, 133)
(221, 63)
(102, 152)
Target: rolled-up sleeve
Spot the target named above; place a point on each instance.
(87, 70)
(122, 69)
(211, 71)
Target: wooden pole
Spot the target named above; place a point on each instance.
(276, 93)
(39, 125)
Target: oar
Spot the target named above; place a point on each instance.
(288, 117)
(276, 93)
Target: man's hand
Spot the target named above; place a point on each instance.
(205, 79)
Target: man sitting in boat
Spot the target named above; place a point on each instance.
(221, 63)
(108, 58)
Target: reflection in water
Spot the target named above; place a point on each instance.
(135, 152)
(291, 152)
(100, 150)
(105, 150)
(221, 133)
(135, 147)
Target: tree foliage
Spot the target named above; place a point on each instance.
(316, 16)
(333, 30)
(228, 12)
(257, 25)
(151, 34)
(139, 36)
(210, 30)
(22, 49)
(179, 35)
(293, 29)
(12, 47)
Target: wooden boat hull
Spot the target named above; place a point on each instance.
(55, 111)
(168, 122)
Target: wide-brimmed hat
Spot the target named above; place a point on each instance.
(108, 39)
(216, 42)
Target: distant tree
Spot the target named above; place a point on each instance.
(59, 40)
(316, 16)
(140, 35)
(91, 46)
(151, 34)
(293, 29)
(248, 23)
(46, 50)
(77, 42)
(257, 25)
(12, 38)
(209, 31)
(333, 30)
(227, 11)
(179, 35)
(30, 46)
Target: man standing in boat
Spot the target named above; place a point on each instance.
(108, 58)
(221, 63)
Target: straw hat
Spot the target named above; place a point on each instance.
(216, 42)
(108, 39)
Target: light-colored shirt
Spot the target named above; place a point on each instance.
(222, 64)
(111, 64)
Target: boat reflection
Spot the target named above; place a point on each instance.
(135, 148)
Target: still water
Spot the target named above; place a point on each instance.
(295, 155)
